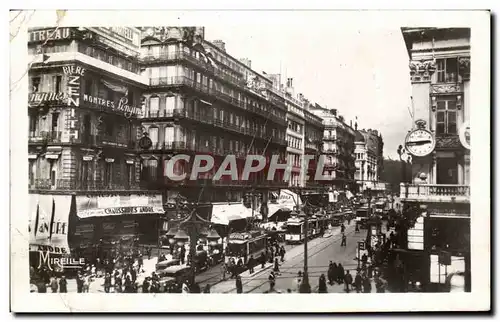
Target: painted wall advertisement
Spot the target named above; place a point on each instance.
(109, 205)
(48, 223)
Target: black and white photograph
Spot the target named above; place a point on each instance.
(227, 155)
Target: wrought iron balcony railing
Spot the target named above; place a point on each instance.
(75, 185)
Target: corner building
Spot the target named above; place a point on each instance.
(201, 100)
(438, 194)
(84, 98)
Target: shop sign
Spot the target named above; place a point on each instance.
(49, 34)
(47, 97)
(74, 74)
(108, 205)
(120, 106)
(48, 223)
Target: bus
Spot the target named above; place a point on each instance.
(241, 246)
(295, 230)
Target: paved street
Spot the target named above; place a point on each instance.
(320, 251)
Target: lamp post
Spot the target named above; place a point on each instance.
(192, 222)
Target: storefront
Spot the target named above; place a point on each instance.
(104, 221)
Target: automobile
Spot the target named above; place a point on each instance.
(362, 216)
(163, 265)
(173, 277)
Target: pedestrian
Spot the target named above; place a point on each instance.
(367, 285)
(342, 228)
(262, 259)
(206, 289)
(322, 284)
(79, 283)
(277, 265)
(86, 283)
(63, 285)
(54, 285)
(41, 286)
(344, 240)
(272, 281)
(347, 280)
(145, 285)
(357, 228)
(251, 264)
(282, 253)
(223, 270)
(331, 272)
(340, 274)
(239, 285)
(298, 281)
(358, 282)
(107, 283)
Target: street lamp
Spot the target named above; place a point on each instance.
(181, 237)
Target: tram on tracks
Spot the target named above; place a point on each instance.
(295, 230)
(241, 246)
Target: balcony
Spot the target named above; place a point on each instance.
(435, 193)
(77, 185)
(44, 137)
(180, 55)
(213, 92)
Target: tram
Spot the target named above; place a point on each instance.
(241, 246)
(295, 230)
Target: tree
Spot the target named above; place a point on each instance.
(391, 173)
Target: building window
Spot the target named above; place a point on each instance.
(170, 104)
(53, 172)
(31, 171)
(169, 134)
(56, 82)
(109, 126)
(35, 84)
(55, 118)
(153, 135)
(108, 173)
(152, 167)
(154, 105)
(130, 174)
(446, 117)
(88, 87)
(447, 70)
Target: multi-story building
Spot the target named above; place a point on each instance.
(295, 135)
(201, 100)
(313, 144)
(438, 194)
(338, 148)
(84, 98)
(369, 159)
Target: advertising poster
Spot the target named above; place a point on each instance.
(134, 204)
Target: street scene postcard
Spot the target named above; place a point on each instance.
(280, 161)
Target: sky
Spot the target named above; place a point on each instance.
(362, 73)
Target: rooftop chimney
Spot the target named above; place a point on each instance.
(334, 111)
(356, 126)
(220, 44)
(247, 62)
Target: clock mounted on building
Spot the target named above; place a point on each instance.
(420, 142)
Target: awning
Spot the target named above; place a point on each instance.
(223, 213)
(113, 205)
(273, 208)
(48, 223)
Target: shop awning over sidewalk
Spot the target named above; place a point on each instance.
(114, 205)
(48, 223)
(223, 213)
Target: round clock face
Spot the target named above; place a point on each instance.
(420, 142)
